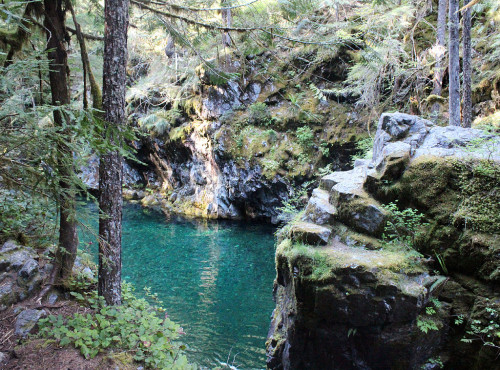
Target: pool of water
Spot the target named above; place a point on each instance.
(215, 279)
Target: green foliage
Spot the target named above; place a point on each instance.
(324, 149)
(259, 115)
(305, 136)
(135, 327)
(403, 226)
(292, 206)
(364, 148)
(435, 361)
(25, 217)
(292, 9)
(485, 329)
(160, 122)
(427, 322)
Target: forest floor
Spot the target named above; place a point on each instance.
(37, 354)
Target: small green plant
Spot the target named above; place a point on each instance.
(136, 327)
(270, 167)
(435, 361)
(259, 115)
(323, 171)
(364, 149)
(324, 149)
(295, 203)
(403, 226)
(485, 329)
(160, 122)
(305, 136)
(427, 322)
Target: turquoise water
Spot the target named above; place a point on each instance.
(215, 279)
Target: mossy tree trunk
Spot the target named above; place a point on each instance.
(110, 166)
(454, 42)
(467, 68)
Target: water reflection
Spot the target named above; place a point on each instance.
(215, 279)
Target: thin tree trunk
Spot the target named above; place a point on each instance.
(110, 166)
(227, 20)
(440, 46)
(467, 68)
(95, 89)
(454, 64)
(59, 86)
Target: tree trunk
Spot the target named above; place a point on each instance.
(454, 65)
(110, 166)
(467, 68)
(59, 72)
(95, 89)
(440, 50)
(227, 21)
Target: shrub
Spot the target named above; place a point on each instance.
(403, 226)
(258, 114)
(305, 136)
(135, 327)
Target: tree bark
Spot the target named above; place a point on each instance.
(59, 86)
(227, 21)
(440, 49)
(454, 64)
(95, 89)
(110, 167)
(467, 68)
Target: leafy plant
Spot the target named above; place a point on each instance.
(403, 226)
(258, 114)
(426, 322)
(294, 203)
(305, 136)
(135, 327)
(485, 329)
(364, 149)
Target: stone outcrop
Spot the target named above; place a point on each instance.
(20, 274)
(345, 299)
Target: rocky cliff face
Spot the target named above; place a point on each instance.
(238, 149)
(349, 297)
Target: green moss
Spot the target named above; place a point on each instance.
(479, 208)
(321, 264)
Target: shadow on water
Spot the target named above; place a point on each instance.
(214, 278)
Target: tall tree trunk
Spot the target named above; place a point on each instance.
(454, 64)
(59, 86)
(467, 68)
(227, 20)
(95, 89)
(441, 51)
(110, 166)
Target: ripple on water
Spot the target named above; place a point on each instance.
(214, 278)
